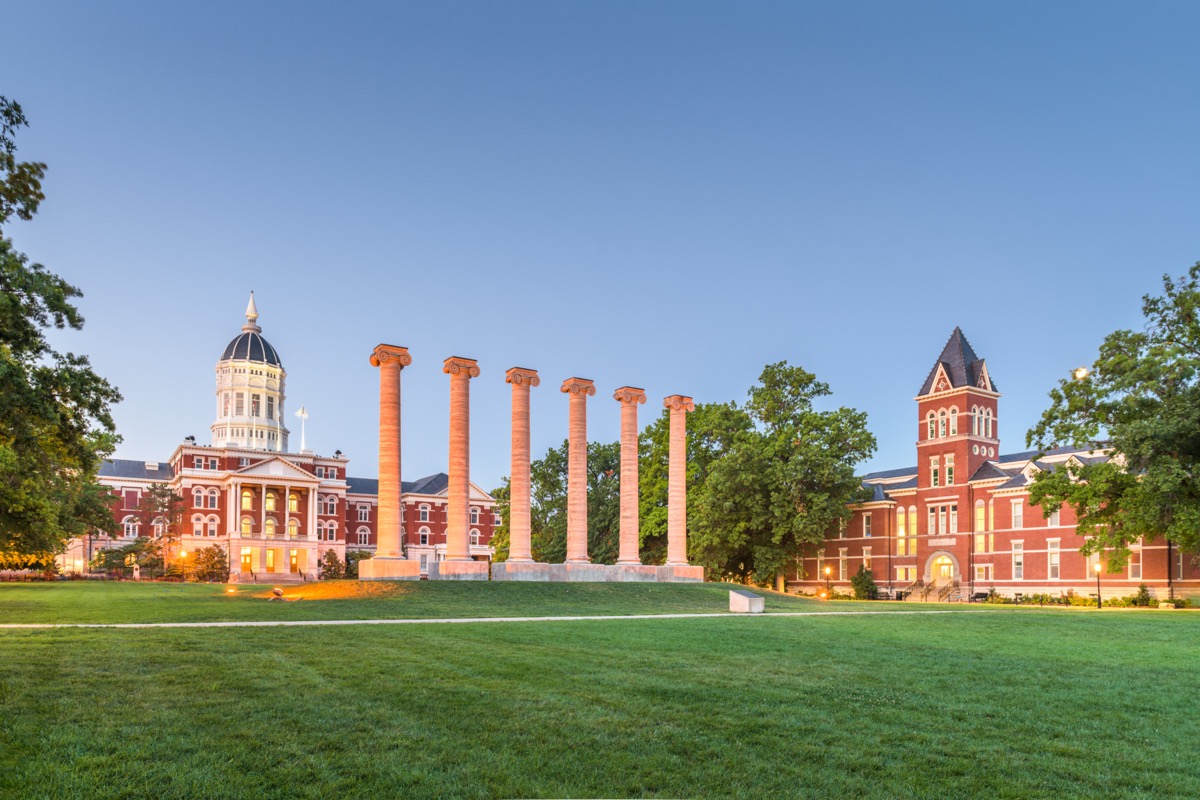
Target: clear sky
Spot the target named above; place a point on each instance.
(667, 195)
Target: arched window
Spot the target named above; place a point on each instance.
(214, 525)
(423, 536)
(197, 525)
(987, 420)
(269, 530)
(247, 500)
(130, 526)
(900, 527)
(320, 531)
(932, 426)
(159, 527)
(293, 528)
(912, 520)
(331, 532)
(364, 536)
(424, 515)
(293, 502)
(213, 498)
(270, 501)
(980, 516)
(474, 537)
(974, 420)
(941, 423)
(247, 526)
(954, 422)
(198, 497)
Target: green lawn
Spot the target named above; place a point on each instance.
(78, 601)
(1014, 703)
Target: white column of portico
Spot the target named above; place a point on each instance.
(629, 397)
(679, 407)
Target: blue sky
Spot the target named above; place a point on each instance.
(667, 195)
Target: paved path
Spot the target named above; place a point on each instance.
(459, 620)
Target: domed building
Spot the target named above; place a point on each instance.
(250, 391)
(275, 512)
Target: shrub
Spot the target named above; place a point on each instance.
(332, 566)
(1142, 598)
(352, 559)
(864, 584)
(211, 564)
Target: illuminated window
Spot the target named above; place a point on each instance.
(980, 516)
(293, 528)
(270, 501)
(270, 529)
(247, 500)
(247, 526)
(983, 573)
(293, 502)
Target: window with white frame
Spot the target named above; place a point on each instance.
(980, 516)
(867, 525)
(364, 513)
(475, 538)
(942, 423)
(320, 472)
(954, 422)
(941, 528)
(842, 564)
(932, 426)
(983, 573)
(931, 528)
(934, 472)
(1018, 513)
(866, 558)
(423, 515)
(197, 497)
(214, 497)
(270, 407)
(474, 516)
(1052, 558)
(364, 536)
(841, 529)
(906, 574)
(1053, 519)
(198, 462)
(497, 520)
(331, 473)
(331, 532)
(320, 531)
(949, 470)
(293, 528)
(214, 525)
(974, 420)
(821, 565)
(1178, 565)
(197, 525)
(130, 527)
(953, 519)
(1018, 561)
(423, 536)
(248, 526)
(1135, 561)
(424, 562)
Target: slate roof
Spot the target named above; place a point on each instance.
(251, 346)
(890, 473)
(963, 367)
(430, 484)
(988, 471)
(128, 468)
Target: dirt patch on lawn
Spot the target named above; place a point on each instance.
(342, 590)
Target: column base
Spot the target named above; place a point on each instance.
(458, 571)
(389, 569)
(595, 573)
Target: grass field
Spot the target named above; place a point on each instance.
(1012, 703)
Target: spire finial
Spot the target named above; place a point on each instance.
(252, 316)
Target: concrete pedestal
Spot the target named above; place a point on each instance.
(458, 571)
(595, 573)
(389, 569)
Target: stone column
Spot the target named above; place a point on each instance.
(460, 370)
(518, 488)
(629, 397)
(577, 525)
(677, 480)
(388, 562)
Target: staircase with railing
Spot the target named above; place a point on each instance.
(950, 593)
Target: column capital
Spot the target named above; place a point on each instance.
(578, 386)
(456, 364)
(678, 402)
(520, 375)
(630, 394)
(389, 352)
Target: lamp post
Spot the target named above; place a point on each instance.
(1096, 566)
(828, 584)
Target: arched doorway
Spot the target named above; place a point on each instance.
(941, 568)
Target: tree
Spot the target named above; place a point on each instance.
(352, 559)
(161, 510)
(863, 582)
(548, 504)
(55, 423)
(1141, 402)
(500, 536)
(143, 551)
(332, 567)
(783, 484)
(211, 564)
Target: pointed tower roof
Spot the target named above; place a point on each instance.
(960, 365)
(251, 325)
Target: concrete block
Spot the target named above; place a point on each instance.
(745, 602)
(521, 571)
(459, 571)
(389, 569)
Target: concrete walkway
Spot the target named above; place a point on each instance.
(462, 620)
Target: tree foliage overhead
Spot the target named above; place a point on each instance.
(55, 424)
(1142, 400)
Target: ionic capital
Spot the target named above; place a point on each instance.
(578, 386)
(384, 353)
(518, 376)
(455, 364)
(630, 394)
(678, 402)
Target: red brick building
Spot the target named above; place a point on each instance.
(275, 512)
(959, 523)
